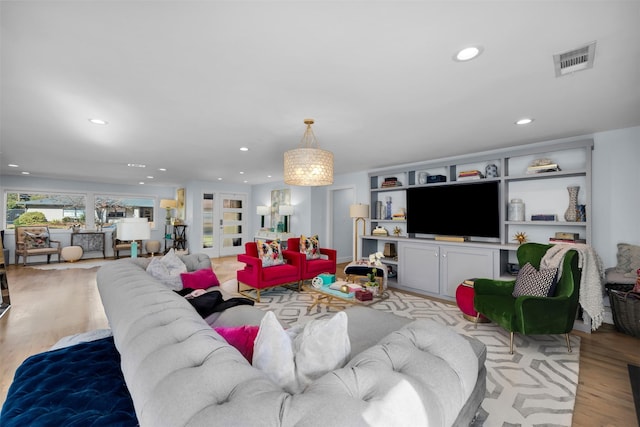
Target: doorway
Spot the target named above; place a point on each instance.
(223, 224)
(340, 224)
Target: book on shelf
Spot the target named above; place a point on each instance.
(388, 184)
(565, 235)
(544, 217)
(470, 173)
(567, 241)
(552, 167)
(469, 177)
(469, 282)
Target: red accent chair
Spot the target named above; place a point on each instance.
(257, 277)
(310, 268)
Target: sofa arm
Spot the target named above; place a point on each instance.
(56, 242)
(493, 287)
(253, 265)
(293, 258)
(332, 254)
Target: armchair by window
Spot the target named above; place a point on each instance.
(532, 315)
(35, 240)
(256, 276)
(123, 245)
(310, 268)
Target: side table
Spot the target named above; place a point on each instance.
(464, 299)
(90, 241)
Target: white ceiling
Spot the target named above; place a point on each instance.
(185, 84)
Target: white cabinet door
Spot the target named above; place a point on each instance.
(460, 263)
(419, 267)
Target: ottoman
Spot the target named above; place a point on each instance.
(71, 253)
(464, 299)
(152, 247)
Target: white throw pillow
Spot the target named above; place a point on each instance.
(167, 269)
(297, 356)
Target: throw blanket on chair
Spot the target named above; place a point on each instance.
(591, 281)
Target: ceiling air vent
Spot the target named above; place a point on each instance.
(574, 60)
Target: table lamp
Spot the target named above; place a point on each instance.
(262, 211)
(168, 204)
(285, 211)
(359, 212)
(133, 229)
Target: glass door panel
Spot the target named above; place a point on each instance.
(207, 221)
(232, 224)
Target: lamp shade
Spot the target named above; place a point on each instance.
(133, 229)
(308, 165)
(285, 210)
(168, 203)
(359, 211)
(262, 210)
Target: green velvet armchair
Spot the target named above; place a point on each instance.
(531, 315)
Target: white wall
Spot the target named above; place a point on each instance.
(616, 191)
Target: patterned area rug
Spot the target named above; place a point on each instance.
(534, 386)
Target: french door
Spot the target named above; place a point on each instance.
(223, 224)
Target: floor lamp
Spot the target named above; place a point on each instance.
(359, 212)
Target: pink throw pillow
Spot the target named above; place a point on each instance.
(200, 279)
(241, 337)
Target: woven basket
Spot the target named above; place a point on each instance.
(625, 307)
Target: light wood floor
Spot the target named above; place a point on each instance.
(50, 304)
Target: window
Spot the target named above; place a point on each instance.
(56, 210)
(60, 210)
(110, 208)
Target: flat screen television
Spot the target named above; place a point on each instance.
(462, 209)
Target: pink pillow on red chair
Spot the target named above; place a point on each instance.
(241, 337)
(199, 279)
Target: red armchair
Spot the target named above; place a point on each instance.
(310, 268)
(257, 277)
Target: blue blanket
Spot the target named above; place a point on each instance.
(81, 385)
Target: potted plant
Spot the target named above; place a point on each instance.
(372, 284)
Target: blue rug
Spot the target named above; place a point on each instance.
(75, 386)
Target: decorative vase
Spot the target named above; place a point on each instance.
(571, 214)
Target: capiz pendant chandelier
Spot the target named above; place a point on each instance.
(308, 165)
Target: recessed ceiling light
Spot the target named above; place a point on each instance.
(219, 179)
(245, 181)
(98, 121)
(468, 53)
(25, 173)
(524, 121)
(136, 165)
(141, 183)
(149, 177)
(268, 176)
(11, 165)
(241, 173)
(244, 149)
(162, 169)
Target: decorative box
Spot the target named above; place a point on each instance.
(364, 295)
(436, 178)
(327, 278)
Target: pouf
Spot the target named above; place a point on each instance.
(152, 246)
(464, 299)
(71, 253)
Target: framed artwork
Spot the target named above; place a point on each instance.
(180, 209)
(278, 197)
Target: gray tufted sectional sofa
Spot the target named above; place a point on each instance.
(180, 372)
